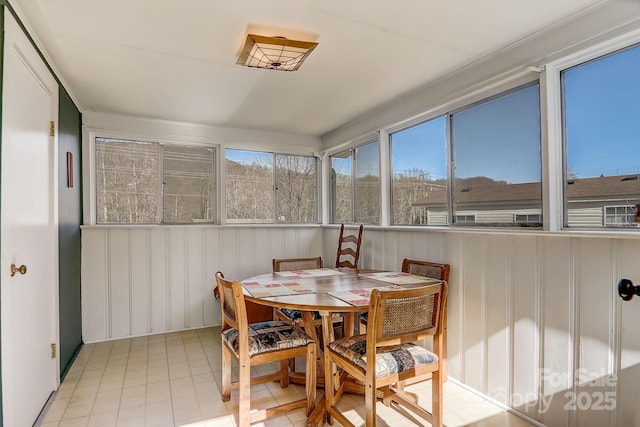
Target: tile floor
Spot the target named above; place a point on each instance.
(173, 380)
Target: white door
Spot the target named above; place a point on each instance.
(28, 302)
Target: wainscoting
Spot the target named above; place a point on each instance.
(148, 280)
(534, 318)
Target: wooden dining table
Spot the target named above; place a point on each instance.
(314, 294)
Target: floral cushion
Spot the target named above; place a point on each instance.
(296, 315)
(268, 336)
(364, 317)
(389, 360)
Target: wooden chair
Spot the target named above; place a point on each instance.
(398, 317)
(421, 268)
(290, 264)
(260, 343)
(427, 269)
(349, 248)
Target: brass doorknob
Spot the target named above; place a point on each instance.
(22, 269)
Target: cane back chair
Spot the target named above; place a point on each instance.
(256, 344)
(386, 355)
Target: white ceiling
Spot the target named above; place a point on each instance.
(176, 60)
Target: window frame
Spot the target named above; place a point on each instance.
(274, 208)
(410, 125)
(351, 148)
(89, 185)
(554, 156)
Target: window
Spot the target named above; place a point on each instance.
(528, 218)
(145, 183)
(296, 189)
(620, 216)
(419, 173)
(355, 186)
(496, 155)
(601, 100)
(342, 187)
(258, 192)
(465, 219)
(187, 184)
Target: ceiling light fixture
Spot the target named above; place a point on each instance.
(274, 53)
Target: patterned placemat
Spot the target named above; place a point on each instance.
(399, 278)
(265, 289)
(359, 297)
(313, 272)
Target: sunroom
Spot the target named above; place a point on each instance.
(498, 138)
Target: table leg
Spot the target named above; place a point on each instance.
(317, 417)
(310, 329)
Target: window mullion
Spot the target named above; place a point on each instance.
(275, 184)
(451, 169)
(353, 186)
(160, 209)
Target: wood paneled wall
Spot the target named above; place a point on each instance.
(534, 319)
(148, 280)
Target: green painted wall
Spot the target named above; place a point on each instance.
(70, 218)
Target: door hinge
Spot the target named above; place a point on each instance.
(52, 129)
(53, 351)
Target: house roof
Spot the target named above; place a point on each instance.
(483, 190)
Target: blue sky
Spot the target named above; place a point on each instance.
(485, 144)
(246, 157)
(603, 115)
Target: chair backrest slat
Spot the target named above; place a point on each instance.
(426, 268)
(349, 247)
(290, 264)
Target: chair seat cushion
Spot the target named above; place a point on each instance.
(296, 315)
(268, 336)
(389, 360)
(364, 317)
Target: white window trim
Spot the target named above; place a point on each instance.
(89, 178)
(554, 206)
(369, 138)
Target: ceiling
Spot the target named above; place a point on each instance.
(173, 60)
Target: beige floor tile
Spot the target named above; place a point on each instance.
(77, 411)
(104, 419)
(74, 422)
(173, 380)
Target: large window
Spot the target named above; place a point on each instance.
(146, 183)
(265, 187)
(355, 185)
(601, 113)
(496, 160)
(419, 174)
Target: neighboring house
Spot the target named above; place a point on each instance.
(592, 202)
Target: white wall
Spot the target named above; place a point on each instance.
(149, 280)
(523, 302)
